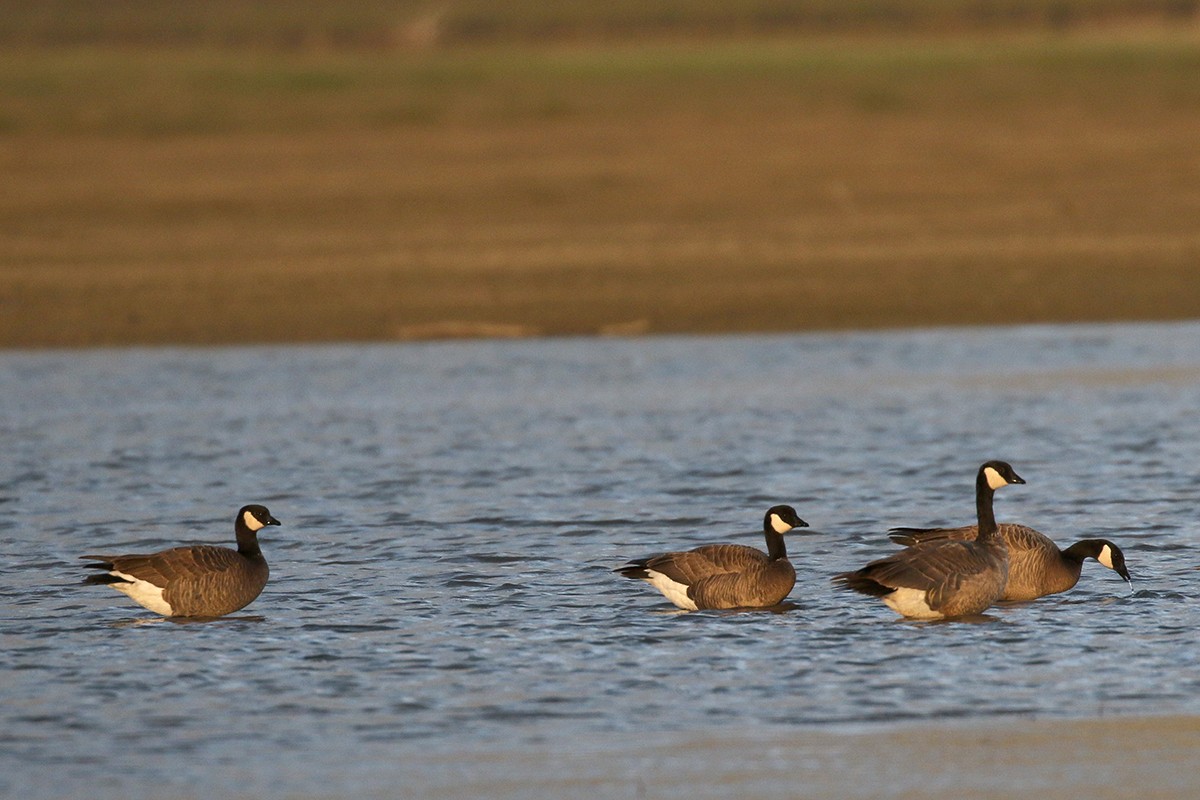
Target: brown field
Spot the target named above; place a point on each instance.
(765, 183)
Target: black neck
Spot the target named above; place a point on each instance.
(1084, 548)
(247, 540)
(983, 507)
(776, 549)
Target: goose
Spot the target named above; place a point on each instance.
(725, 575)
(1036, 566)
(197, 581)
(945, 578)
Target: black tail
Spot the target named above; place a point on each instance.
(634, 569)
(857, 582)
(103, 579)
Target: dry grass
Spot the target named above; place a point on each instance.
(206, 197)
(397, 24)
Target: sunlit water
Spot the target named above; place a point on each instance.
(451, 513)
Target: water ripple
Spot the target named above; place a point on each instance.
(452, 514)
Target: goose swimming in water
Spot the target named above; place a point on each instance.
(196, 581)
(945, 578)
(1036, 566)
(725, 575)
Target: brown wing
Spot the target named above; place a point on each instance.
(691, 566)
(938, 567)
(179, 563)
(1017, 537)
(764, 584)
(924, 565)
(911, 536)
(229, 584)
(1023, 539)
(202, 580)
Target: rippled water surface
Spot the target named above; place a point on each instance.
(451, 513)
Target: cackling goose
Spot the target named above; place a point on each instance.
(725, 575)
(196, 581)
(1036, 567)
(945, 578)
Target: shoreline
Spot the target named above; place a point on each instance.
(831, 331)
(1096, 757)
(92, 309)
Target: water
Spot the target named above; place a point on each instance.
(441, 587)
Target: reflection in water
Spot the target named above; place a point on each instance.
(135, 622)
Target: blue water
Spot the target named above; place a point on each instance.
(451, 512)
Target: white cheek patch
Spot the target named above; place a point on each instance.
(1105, 556)
(994, 479)
(778, 525)
(251, 521)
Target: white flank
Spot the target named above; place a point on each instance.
(252, 522)
(673, 591)
(1105, 556)
(779, 525)
(911, 603)
(994, 479)
(143, 593)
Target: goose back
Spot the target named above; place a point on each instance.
(740, 577)
(945, 578)
(935, 580)
(1037, 567)
(723, 576)
(192, 581)
(196, 581)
